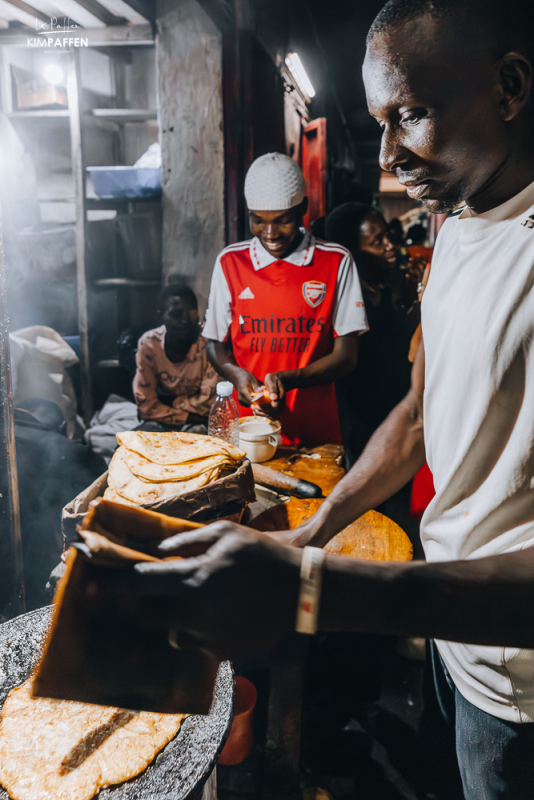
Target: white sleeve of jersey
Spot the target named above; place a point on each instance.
(219, 311)
(349, 310)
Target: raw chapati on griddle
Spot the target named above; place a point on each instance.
(62, 750)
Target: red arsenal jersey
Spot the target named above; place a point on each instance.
(283, 315)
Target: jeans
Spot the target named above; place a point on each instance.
(472, 754)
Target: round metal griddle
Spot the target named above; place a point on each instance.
(180, 769)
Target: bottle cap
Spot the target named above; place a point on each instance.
(225, 388)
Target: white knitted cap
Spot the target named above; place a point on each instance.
(274, 182)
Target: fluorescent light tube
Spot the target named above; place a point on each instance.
(294, 65)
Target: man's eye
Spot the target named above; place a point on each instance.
(415, 115)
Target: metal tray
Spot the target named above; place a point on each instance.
(179, 771)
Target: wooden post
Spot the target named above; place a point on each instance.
(78, 171)
(284, 724)
(189, 63)
(11, 566)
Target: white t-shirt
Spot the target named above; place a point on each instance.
(349, 310)
(478, 332)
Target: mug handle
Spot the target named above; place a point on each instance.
(275, 439)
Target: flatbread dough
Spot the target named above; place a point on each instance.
(156, 473)
(177, 448)
(111, 494)
(124, 483)
(61, 750)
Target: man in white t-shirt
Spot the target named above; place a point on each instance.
(449, 82)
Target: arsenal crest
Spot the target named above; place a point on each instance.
(314, 292)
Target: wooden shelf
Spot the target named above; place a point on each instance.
(123, 115)
(55, 281)
(96, 203)
(60, 113)
(65, 128)
(130, 283)
(48, 229)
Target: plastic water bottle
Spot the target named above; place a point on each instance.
(223, 420)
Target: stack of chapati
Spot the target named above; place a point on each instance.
(150, 468)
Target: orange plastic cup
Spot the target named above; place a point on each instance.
(241, 736)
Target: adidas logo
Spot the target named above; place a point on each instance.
(246, 294)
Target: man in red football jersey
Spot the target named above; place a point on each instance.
(285, 309)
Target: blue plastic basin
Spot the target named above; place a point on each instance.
(111, 183)
(74, 342)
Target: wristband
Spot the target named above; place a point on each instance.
(311, 580)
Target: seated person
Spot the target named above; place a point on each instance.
(174, 385)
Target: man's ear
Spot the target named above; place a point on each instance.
(514, 84)
(304, 206)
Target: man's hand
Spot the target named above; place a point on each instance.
(234, 593)
(222, 359)
(246, 385)
(274, 383)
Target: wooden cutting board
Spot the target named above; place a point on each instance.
(372, 537)
(322, 465)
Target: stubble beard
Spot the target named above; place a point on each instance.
(444, 205)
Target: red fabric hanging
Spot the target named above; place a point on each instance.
(422, 492)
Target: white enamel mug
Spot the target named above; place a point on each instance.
(259, 437)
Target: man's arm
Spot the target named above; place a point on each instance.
(220, 596)
(222, 359)
(391, 458)
(487, 601)
(332, 367)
